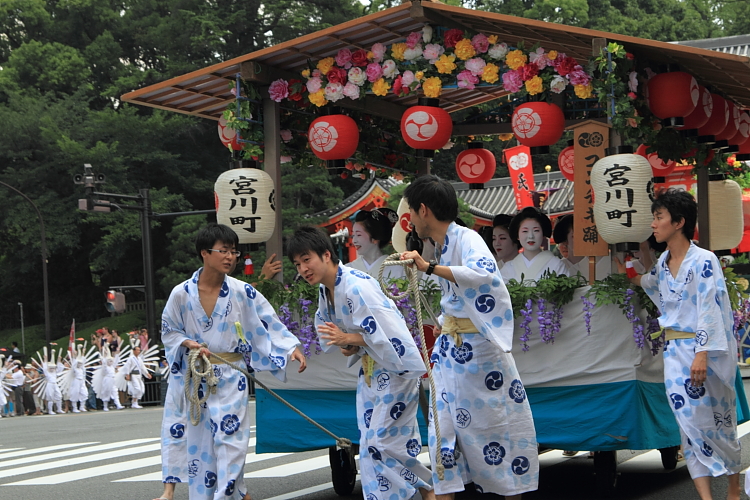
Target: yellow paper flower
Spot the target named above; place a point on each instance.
(742, 284)
(506, 137)
(432, 87)
(515, 59)
(490, 73)
(445, 64)
(492, 39)
(419, 75)
(534, 86)
(397, 51)
(306, 73)
(381, 87)
(465, 50)
(370, 55)
(552, 55)
(583, 91)
(325, 65)
(319, 98)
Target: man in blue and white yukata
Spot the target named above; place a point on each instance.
(487, 431)
(354, 315)
(241, 325)
(700, 355)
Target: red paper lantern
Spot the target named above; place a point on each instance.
(538, 124)
(476, 165)
(228, 136)
(719, 117)
(732, 124)
(658, 167)
(743, 130)
(702, 111)
(333, 137)
(566, 161)
(744, 153)
(426, 127)
(673, 94)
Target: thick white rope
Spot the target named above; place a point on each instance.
(194, 373)
(419, 302)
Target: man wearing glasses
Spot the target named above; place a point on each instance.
(237, 323)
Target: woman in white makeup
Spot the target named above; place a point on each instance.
(371, 232)
(529, 229)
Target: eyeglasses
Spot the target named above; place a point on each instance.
(234, 253)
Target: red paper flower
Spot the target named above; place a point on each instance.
(359, 58)
(566, 65)
(529, 71)
(452, 37)
(337, 75)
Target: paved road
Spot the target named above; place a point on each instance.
(115, 455)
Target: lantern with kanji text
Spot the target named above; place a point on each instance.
(672, 96)
(716, 123)
(426, 127)
(476, 165)
(246, 201)
(566, 161)
(538, 125)
(622, 188)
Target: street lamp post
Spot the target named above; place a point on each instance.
(23, 337)
(548, 168)
(47, 332)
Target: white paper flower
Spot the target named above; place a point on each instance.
(411, 54)
(558, 84)
(476, 65)
(432, 52)
(357, 76)
(498, 51)
(389, 69)
(427, 33)
(334, 92)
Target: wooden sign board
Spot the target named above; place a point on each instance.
(591, 138)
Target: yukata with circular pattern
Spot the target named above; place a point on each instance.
(216, 448)
(386, 408)
(486, 427)
(696, 301)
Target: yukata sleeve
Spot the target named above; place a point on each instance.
(383, 329)
(711, 300)
(321, 317)
(173, 332)
(483, 294)
(650, 284)
(272, 343)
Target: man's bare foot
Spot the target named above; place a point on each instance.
(427, 494)
(246, 497)
(168, 492)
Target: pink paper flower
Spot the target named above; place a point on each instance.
(314, 84)
(432, 51)
(480, 43)
(344, 58)
(351, 91)
(633, 81)
(512, 81)
(278, 90)
(476, 65)
(413, 39)
(378, 50)
(286, 135)
(407, 78)
(466, 80)
(579, 76)
(374, 72)
(539, 58)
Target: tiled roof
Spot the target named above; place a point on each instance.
(738, 45)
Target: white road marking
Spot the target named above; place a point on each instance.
(306, 491)
(41, 450)
(292, 468)
(9, 449)
(64, 454)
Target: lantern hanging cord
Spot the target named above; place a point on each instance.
(420, 302)
(195, 372)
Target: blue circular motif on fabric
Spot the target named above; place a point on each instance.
(360, 274)
(214, 427)
(374, 453)
(520, 466)
(488, 264)
(397, 410)
(370, 496)
(694, 392)
(210, 479)
(369, 325)
(177, 430)
(413, 447)
(701, 337)
(229, 490)
(398, 346)
(707, 450)
(338, 280)
(517, 392)
(443, 344)
(497, 321)
(368, 417)
(279, 361)
(383, 483)
(677, 400)
(408, 476)
(175, 368)
(463, 418)
(463, 353)
(384, 380)
(708, 270)
(230, 424)
(242, 384)
(493, 380)
(493, 453)
(172, 479)
(448, 458)
(485, 303)
(208, 324)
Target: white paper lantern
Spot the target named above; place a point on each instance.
(398, 237)
(622, 206)
(724, 214)
(246, 202)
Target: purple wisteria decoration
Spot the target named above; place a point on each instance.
(548, 316)
(629, 307)
(657, 343)
(588, 308)
(304, 329)
(410, 314)
(525, 324)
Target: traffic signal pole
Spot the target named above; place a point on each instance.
(148, 267)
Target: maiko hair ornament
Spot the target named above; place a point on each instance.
(530, 213)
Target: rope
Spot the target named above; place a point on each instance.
(420, 303)
(195, 402)
(193, 379)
